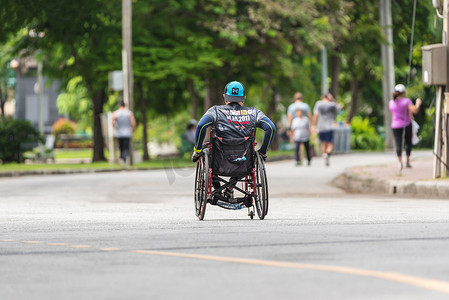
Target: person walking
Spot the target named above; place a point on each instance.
(402, 109)
(324, 116)
(124, 122)
(301, 134)
(189, 135)
(298, 103)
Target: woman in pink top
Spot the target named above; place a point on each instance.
(401, 109)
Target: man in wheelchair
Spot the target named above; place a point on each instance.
(234, 127)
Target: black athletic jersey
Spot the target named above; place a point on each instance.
(233, 120)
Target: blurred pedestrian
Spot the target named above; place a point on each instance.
(124, 122)
(301, 134)
(298, 103)
(324, 116)
(402, 109)
(189, 135)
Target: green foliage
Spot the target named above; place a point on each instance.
(166, 129)
(7, 75)
(426, 130)
(364, 135)
(16, 137)
(75, 103)
(185, 47)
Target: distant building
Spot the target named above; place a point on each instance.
(27, 98)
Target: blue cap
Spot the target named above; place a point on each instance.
(234, 92)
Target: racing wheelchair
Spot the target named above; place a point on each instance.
(245, 168)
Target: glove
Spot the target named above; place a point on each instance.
(196, 156)
(263, 155)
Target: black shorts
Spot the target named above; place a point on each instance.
(326, 136)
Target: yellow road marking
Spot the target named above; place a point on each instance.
(79, 246)
(109, 249)
(32, 242)
(431, 284)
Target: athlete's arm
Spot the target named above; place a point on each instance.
(414, 109)
(200, 133)
(114, 118)
(289, 119)
(270, 132)
(132, 120)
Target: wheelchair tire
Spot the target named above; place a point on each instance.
(261, 200)
(201, 186)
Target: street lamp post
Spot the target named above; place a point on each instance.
(324, 87)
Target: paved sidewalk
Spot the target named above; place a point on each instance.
(374, 173)
(385, 178)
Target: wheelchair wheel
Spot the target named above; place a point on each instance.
(201, 186)
(261, 188)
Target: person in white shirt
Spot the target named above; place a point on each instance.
(324, 115)
(301, 135)
(298, 103)
(124, 122)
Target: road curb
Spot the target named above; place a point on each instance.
(355, 183)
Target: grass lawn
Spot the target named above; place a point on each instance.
(61, 154)
(153, 164)
(275, 153)
(36, 167)
(72, 153)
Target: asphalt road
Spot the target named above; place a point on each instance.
(134, 235)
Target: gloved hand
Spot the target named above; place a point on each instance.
(196, 156)
(263, 155)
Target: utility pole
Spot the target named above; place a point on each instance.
(436, 73)
(128, 84)
(388, 80)
(444, 115)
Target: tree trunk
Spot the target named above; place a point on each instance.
(3, 98)
(355, 98)
(194, 99)
(214, 93)
(207, 97)
(2, 107)
(271, 110)
(143, 110)
(98, 100)
(335, 72)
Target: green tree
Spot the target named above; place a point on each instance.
(185, 50)
(74, 102)
(82, 38)
(7, 76)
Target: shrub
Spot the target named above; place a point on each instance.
(16, 137)
(165, 129)
(63, 126)
(364, 136)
